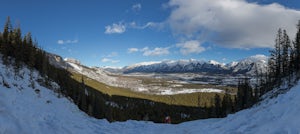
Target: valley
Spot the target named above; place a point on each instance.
(174, 88)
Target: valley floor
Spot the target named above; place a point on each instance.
(28, 111)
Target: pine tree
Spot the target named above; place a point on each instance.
(227, 104)
(278, 54)
(245, 97)
(7, 30)
(297, 49)
(285, 58)
(199, 100)
(275, 61)
(218, 110)
(5, 48)
(1, 39)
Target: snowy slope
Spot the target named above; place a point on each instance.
(34, 111)
(24, 110)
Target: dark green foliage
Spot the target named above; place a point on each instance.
(218, 107)
(227, 105)
(245, 96)
(25, 51)
(297, 50)
(284, 62)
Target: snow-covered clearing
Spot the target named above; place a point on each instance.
(188, 91)
(24, 110)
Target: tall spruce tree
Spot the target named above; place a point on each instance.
(297, 49)
(7, 30)
(275, 61)
(218, 110)
(5, 49)
(285, 58)
(227, 104)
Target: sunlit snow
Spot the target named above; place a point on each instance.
(23, 110)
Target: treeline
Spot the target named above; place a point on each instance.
(18, 50)
(283, 66)
(283, 69)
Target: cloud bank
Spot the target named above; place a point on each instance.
(230, 23)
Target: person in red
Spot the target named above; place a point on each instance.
(168, 119)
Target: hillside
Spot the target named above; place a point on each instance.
(176, 79)
(25, 109)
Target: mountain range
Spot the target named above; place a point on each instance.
(24, 110)
(245, 66)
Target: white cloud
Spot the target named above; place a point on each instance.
(136, 7)
(190, 47)
(61, 42)
(231, 23)
(132, 50)
(147, 25)
(158, 51)
(112, 54)
(115, 28)
(118, 28)
(145, 49)
(109, 60)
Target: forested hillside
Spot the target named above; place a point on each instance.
(22, 51)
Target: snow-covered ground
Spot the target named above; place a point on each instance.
(29, 111)
(135, 81)
(187, 91)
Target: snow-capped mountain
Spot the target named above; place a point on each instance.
(245, 66)
(180, 66)
(207, 72)
(249, 65)
(26, 110)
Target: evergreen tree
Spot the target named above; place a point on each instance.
(218, 110)
(227, 104)
(199, 100)
(5, 49)
(7, 30)
(297, 49)
(1, 39)
(245, 97)
(285, 58)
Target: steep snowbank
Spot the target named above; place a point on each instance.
(29, 111)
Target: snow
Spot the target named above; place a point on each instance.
(23, 110)
(188, 91)
(143, 64)
(134, 81)
(110, 67)
(213, 62)
(75, 66)
(72, 60)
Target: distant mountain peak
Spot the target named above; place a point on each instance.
(244, 66)
(72, 60)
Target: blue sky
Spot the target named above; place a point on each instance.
(120, 33)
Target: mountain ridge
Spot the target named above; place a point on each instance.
(24, 110)
(244, 66)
